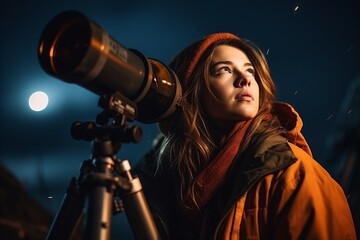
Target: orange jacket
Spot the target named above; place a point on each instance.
(278, 192)
(288, 196)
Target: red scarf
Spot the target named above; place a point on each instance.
(214, 174)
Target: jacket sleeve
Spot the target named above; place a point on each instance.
(308, 204)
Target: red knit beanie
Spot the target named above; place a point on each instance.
(185, 62)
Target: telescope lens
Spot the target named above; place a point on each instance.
(70, 48)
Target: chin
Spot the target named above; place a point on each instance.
(242, 117)
(247, 115)
(246, 118)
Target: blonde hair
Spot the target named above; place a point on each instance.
(189, 144)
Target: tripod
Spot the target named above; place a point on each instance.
(105, 184)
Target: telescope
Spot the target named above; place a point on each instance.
(76, 50)
(131, 86)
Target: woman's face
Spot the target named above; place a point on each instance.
(235, 92)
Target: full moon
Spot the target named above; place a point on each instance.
(38, 101)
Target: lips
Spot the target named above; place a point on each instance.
(244, 96)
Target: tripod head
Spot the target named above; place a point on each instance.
(111, 122)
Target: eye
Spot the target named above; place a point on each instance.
(251, 71)
(223, 70)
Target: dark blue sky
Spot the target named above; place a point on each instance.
(313, 51)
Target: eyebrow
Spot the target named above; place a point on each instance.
(247, 64)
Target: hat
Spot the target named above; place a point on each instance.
(184, 63)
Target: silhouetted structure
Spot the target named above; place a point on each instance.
(21, 216)
(343, 160)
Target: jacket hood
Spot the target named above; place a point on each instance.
(291, 121)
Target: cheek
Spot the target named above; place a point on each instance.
(257, 101)
(221, 91)
(212, 101)
(257, 93)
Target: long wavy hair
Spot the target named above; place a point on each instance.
(190, 144)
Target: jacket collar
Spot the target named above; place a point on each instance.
(291, 121)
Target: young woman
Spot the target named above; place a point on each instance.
(232, 162)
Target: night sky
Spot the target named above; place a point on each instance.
(312, 48)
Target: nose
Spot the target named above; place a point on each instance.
(242, 80)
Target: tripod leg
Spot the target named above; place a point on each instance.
(100, 192)
(68, 215)
(99, 210)
(135, 205)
